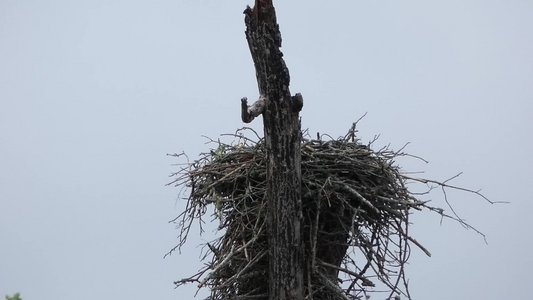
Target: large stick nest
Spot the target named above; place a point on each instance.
(356, 211)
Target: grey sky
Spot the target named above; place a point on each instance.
(93, 94)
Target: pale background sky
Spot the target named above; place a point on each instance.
(93, 94)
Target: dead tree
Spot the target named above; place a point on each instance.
(282, 140)
(300, 218)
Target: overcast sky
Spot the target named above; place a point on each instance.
(94, 94)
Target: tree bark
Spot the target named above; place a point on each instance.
(282, 139)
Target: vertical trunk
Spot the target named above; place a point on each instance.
(282, 138)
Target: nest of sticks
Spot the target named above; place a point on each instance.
(356, 210)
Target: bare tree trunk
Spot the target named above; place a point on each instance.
(282, 138)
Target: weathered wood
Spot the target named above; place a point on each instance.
(248, 113)
(282, 138)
